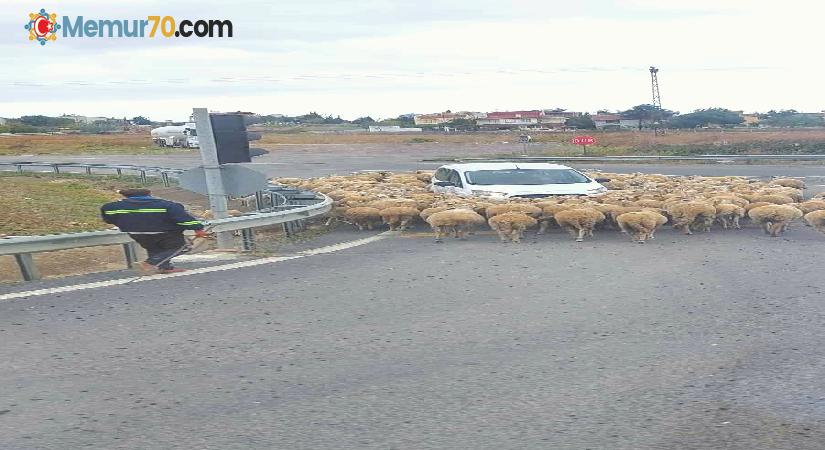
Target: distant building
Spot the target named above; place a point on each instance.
(84, 119)
(392, 129)
(749, 120)
(511, 119)
(3, 120)
(615, 121)
(444, 117)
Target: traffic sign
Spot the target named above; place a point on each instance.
(237, 180)
(584, 140)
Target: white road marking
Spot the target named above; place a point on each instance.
(238, 265)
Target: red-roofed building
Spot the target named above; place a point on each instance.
(510, 119)
(444, 117)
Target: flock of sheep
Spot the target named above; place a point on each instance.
(636, 204)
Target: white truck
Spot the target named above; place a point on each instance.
(183, 136)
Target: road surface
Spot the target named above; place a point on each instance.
(709, 341)
(319, 160)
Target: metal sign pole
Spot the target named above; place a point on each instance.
(212, 170)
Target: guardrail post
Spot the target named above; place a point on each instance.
(248, 239)
(55, 168)
(259, 200)
(130, 252)
(165, 177)
(27, 267)
(119, 171)
(143, 176)
(20, 168)
(88, 170)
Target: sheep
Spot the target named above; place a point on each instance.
(728, 198)
(789, 182)
(643, 224)
(816, 219)
(579, 221)
(774, 218)
(811, 206)
(392, 203)
(694, 214)
(459, 221)
(398, 217)
(729, 214)
(548, 212)
(363, 217)
(777, 199)
(494, 210)
(427, 212)
(511, 225)
(691, 203)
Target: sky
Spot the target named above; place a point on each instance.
(384, 58)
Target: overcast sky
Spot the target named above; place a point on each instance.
(384, 58)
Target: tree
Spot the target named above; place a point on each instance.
(403, 121)
(582, 122)
(646, 113)
(46, 121)
(791, 118)
(140, 120)
(705, 117)
(312, 117)
(333, 120)
(462, 124)
(364, 121)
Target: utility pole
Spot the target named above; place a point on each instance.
(212, 170)
(657, 99)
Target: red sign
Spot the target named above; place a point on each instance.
(584, 140)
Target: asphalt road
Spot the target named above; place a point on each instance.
(711, 341)
(319, 160)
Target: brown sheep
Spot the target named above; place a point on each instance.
(530, 210)
(642, 224)
(687, 215)
(511, 225)
(811, 205)
(579, 221)
(776, 199)
(548, 212)
(426, 213)
(398, 217)
(816, 219)
(774, 218)
(729, 214)
(789, 182)
(392, 203)
(363, 217)
(459, 221)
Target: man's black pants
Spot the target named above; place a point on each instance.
(161, 246)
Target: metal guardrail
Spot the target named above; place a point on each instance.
(23, 247)
(287, 206)
(165, 173)
(637, 158)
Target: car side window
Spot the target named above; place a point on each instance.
(442, 174)
(455, 178)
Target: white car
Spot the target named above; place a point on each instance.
(513, 179)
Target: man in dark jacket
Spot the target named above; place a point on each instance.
(156, 224)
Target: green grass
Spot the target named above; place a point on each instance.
(45, 203)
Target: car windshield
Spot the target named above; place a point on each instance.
(525, 177)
